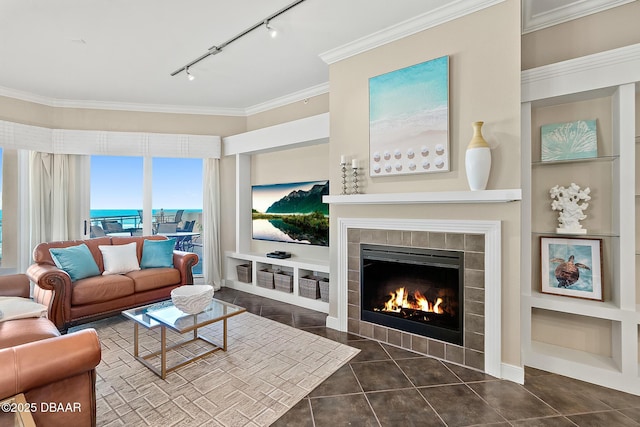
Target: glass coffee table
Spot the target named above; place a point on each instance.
(166, 315)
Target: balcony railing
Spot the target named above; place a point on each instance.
(132, 224)
(128, 222)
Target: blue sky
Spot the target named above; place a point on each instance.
(116, 183)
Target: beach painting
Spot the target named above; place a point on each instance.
(568, 141)
(409, 120)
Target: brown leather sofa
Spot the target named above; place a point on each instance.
(52, 371)
(72, 303)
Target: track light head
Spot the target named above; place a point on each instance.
(272, 31)
(189, 75)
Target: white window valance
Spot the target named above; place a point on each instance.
(108, 143)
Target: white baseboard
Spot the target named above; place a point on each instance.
(512, 373)
(333, 323)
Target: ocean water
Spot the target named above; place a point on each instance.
(131, 219)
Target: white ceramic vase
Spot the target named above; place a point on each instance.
(478, 159)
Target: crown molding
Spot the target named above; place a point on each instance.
(301, 95)
(438, 16)
(122, 106)
(171, 109)
(151, 108)
(564, 13)
(26, 96)
(596, 71)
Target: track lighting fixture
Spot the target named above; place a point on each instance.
(272, 31)
(213, 50)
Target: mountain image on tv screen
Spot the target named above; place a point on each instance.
(291, 212)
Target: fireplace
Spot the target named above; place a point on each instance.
(415, 290)
(478, 240)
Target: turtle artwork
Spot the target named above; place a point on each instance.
(568, 272)
(571, 267)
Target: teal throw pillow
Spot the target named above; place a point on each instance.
(157, 253)
(77, 261)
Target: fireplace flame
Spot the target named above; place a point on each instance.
(401, 299)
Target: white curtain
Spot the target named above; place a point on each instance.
(40, 183)
(60, 197)
(212, 262)
(50, 199)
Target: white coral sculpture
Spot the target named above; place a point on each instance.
(571, 202)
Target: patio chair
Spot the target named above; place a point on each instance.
(97, 231)
(186, 243)
(111, 226)
(178, 217)
(166, 227)
(196, 241)
(188, 226)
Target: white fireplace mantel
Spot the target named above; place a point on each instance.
(484, 196)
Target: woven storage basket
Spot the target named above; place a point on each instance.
(244, 273)
(283, 281)
(265, 278)
(323, 284)
(309, 287)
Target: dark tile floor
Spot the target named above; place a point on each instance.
(388, 386)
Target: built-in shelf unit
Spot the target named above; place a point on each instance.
(295, 134)
(589, 340)
(296, 267)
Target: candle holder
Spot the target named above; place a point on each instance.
(343, 166)
(355, 180)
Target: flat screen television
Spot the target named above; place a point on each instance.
(291, 212)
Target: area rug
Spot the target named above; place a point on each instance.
(267, 369)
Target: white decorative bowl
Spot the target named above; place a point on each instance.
(192, 299)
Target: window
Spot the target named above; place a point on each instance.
(177, 200)
(117, 198)
(116, 194)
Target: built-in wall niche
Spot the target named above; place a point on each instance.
(595, 173)
(288, 152)
(266, 156)
(588, 340)
(598, 108)
(286, 167)
(609, 243)
(579, 333)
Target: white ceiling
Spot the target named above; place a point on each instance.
(120, 53)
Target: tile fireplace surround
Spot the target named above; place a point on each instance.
(480, 242)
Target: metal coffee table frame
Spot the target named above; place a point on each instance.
(166, 315)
